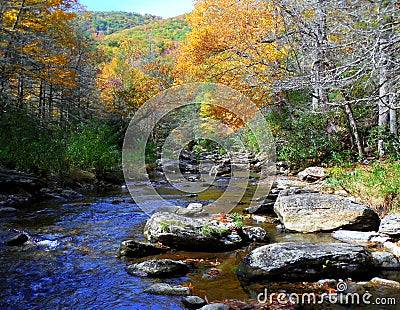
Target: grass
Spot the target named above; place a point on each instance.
(377, 184)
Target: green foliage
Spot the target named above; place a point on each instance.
(304, 138)
(391, 143)
(237, 218)
(377, 185)
(93, 146)
(28, 144)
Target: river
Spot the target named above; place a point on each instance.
(71, 261)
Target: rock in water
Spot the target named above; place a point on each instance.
(312, 212)
(215, 306)
(305, 260)
(390, 225)
(193, 302)
(193, 234)
(19, 239)
(167, 289)
(136, 249)
(158, 268)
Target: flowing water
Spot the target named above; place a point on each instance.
(70, 261)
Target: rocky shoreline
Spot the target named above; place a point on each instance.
(19, 190)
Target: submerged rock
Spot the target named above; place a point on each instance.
(194, 234)
(390, 224)
(19, 239)
(137, 249)
(158, 268)
(312, 212)
(167, 289)
(8, 210)
(304, 260)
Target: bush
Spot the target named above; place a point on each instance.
(29, 144)
(304, 140)
(94, 147)
(377, 185)
(25, 145)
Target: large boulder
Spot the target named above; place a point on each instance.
(305, 260)
(158, 268)
(137, 249)
(312, 212)
(390, 225)
(193, 234)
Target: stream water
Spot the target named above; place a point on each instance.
(71, 263)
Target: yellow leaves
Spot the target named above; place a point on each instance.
(227, 44)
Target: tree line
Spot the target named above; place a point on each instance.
(325, 74)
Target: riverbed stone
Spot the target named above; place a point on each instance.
(305, 260)
(215, 306)
(386, 260)
(137, 249)
(19, 239)
(392, 248)
(255, 234)
(191, 233)
(390, 225)
(167, 289)
(384, 282)
(360, 236)
(313, 212)
(158, 268)
(193, 302)
(312, 174)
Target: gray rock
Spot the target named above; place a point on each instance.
(189, 233)
(390, 224)
(193, 302)
(215, 306)
(19, 239)
(167, 289)
(311, 174)
(158, 268)
(359, 236)
(255, 234)
(304, 260)
(312, 212)
(136, 249)
(386, 260)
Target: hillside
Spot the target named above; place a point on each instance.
(163, 33)
(105, 23)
